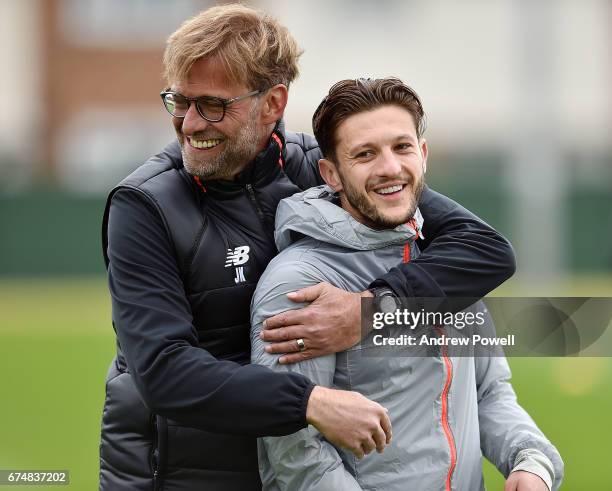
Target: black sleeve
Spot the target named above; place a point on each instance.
(174, 376)
(302, 154)
(461, 256)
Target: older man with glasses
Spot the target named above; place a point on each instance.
(186, 238)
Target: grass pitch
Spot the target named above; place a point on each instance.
(56, 342)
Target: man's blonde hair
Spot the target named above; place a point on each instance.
(253, 47)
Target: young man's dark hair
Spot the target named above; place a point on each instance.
(349, 97)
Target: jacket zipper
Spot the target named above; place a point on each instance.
(406, 256)
(154, 457)
(445, 423)
(267, 224)
(159, 444)
(255, 203)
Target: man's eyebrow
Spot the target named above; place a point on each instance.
(206, 96)
(405, 136)
(365, 144)
(359, 146)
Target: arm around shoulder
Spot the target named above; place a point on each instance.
(461, 255)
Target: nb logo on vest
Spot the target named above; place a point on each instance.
(237, 257)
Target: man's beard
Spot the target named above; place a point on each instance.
(239, 151)
(362, 203)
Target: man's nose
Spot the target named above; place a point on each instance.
(390, 164)
(193, 122)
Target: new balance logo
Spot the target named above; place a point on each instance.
(237, 256)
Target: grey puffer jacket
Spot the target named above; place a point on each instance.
(446, 412)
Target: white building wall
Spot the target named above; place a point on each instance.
(21, 111)
(463, 58)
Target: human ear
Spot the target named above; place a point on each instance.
(424, 151)
(274, 103)
(330, 175)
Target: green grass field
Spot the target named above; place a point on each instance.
(56, 342)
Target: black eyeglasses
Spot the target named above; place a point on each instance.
(210, 108)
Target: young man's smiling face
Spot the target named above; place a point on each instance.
(380, 166)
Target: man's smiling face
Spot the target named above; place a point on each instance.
(221, 149)
(380, 166)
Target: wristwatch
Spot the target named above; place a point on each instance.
(384, 299)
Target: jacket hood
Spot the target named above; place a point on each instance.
(313, 213)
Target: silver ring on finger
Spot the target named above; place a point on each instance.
(301, 344)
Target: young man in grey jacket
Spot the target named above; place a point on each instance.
(446, 411)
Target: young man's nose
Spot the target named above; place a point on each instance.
(390, 164)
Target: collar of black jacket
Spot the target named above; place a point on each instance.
(262, 169)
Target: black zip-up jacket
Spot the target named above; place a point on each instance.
(183, 405)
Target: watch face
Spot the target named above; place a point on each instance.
(387, 304)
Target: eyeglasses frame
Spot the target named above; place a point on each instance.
(224, 102)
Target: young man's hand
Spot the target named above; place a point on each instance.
(330, 324)
(524, 481)
(350, 420)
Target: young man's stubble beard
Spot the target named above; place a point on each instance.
(366, 207)
(238, 152)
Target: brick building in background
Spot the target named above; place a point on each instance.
(92, 69)
(103, 74)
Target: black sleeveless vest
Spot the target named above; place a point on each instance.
(213, 226)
